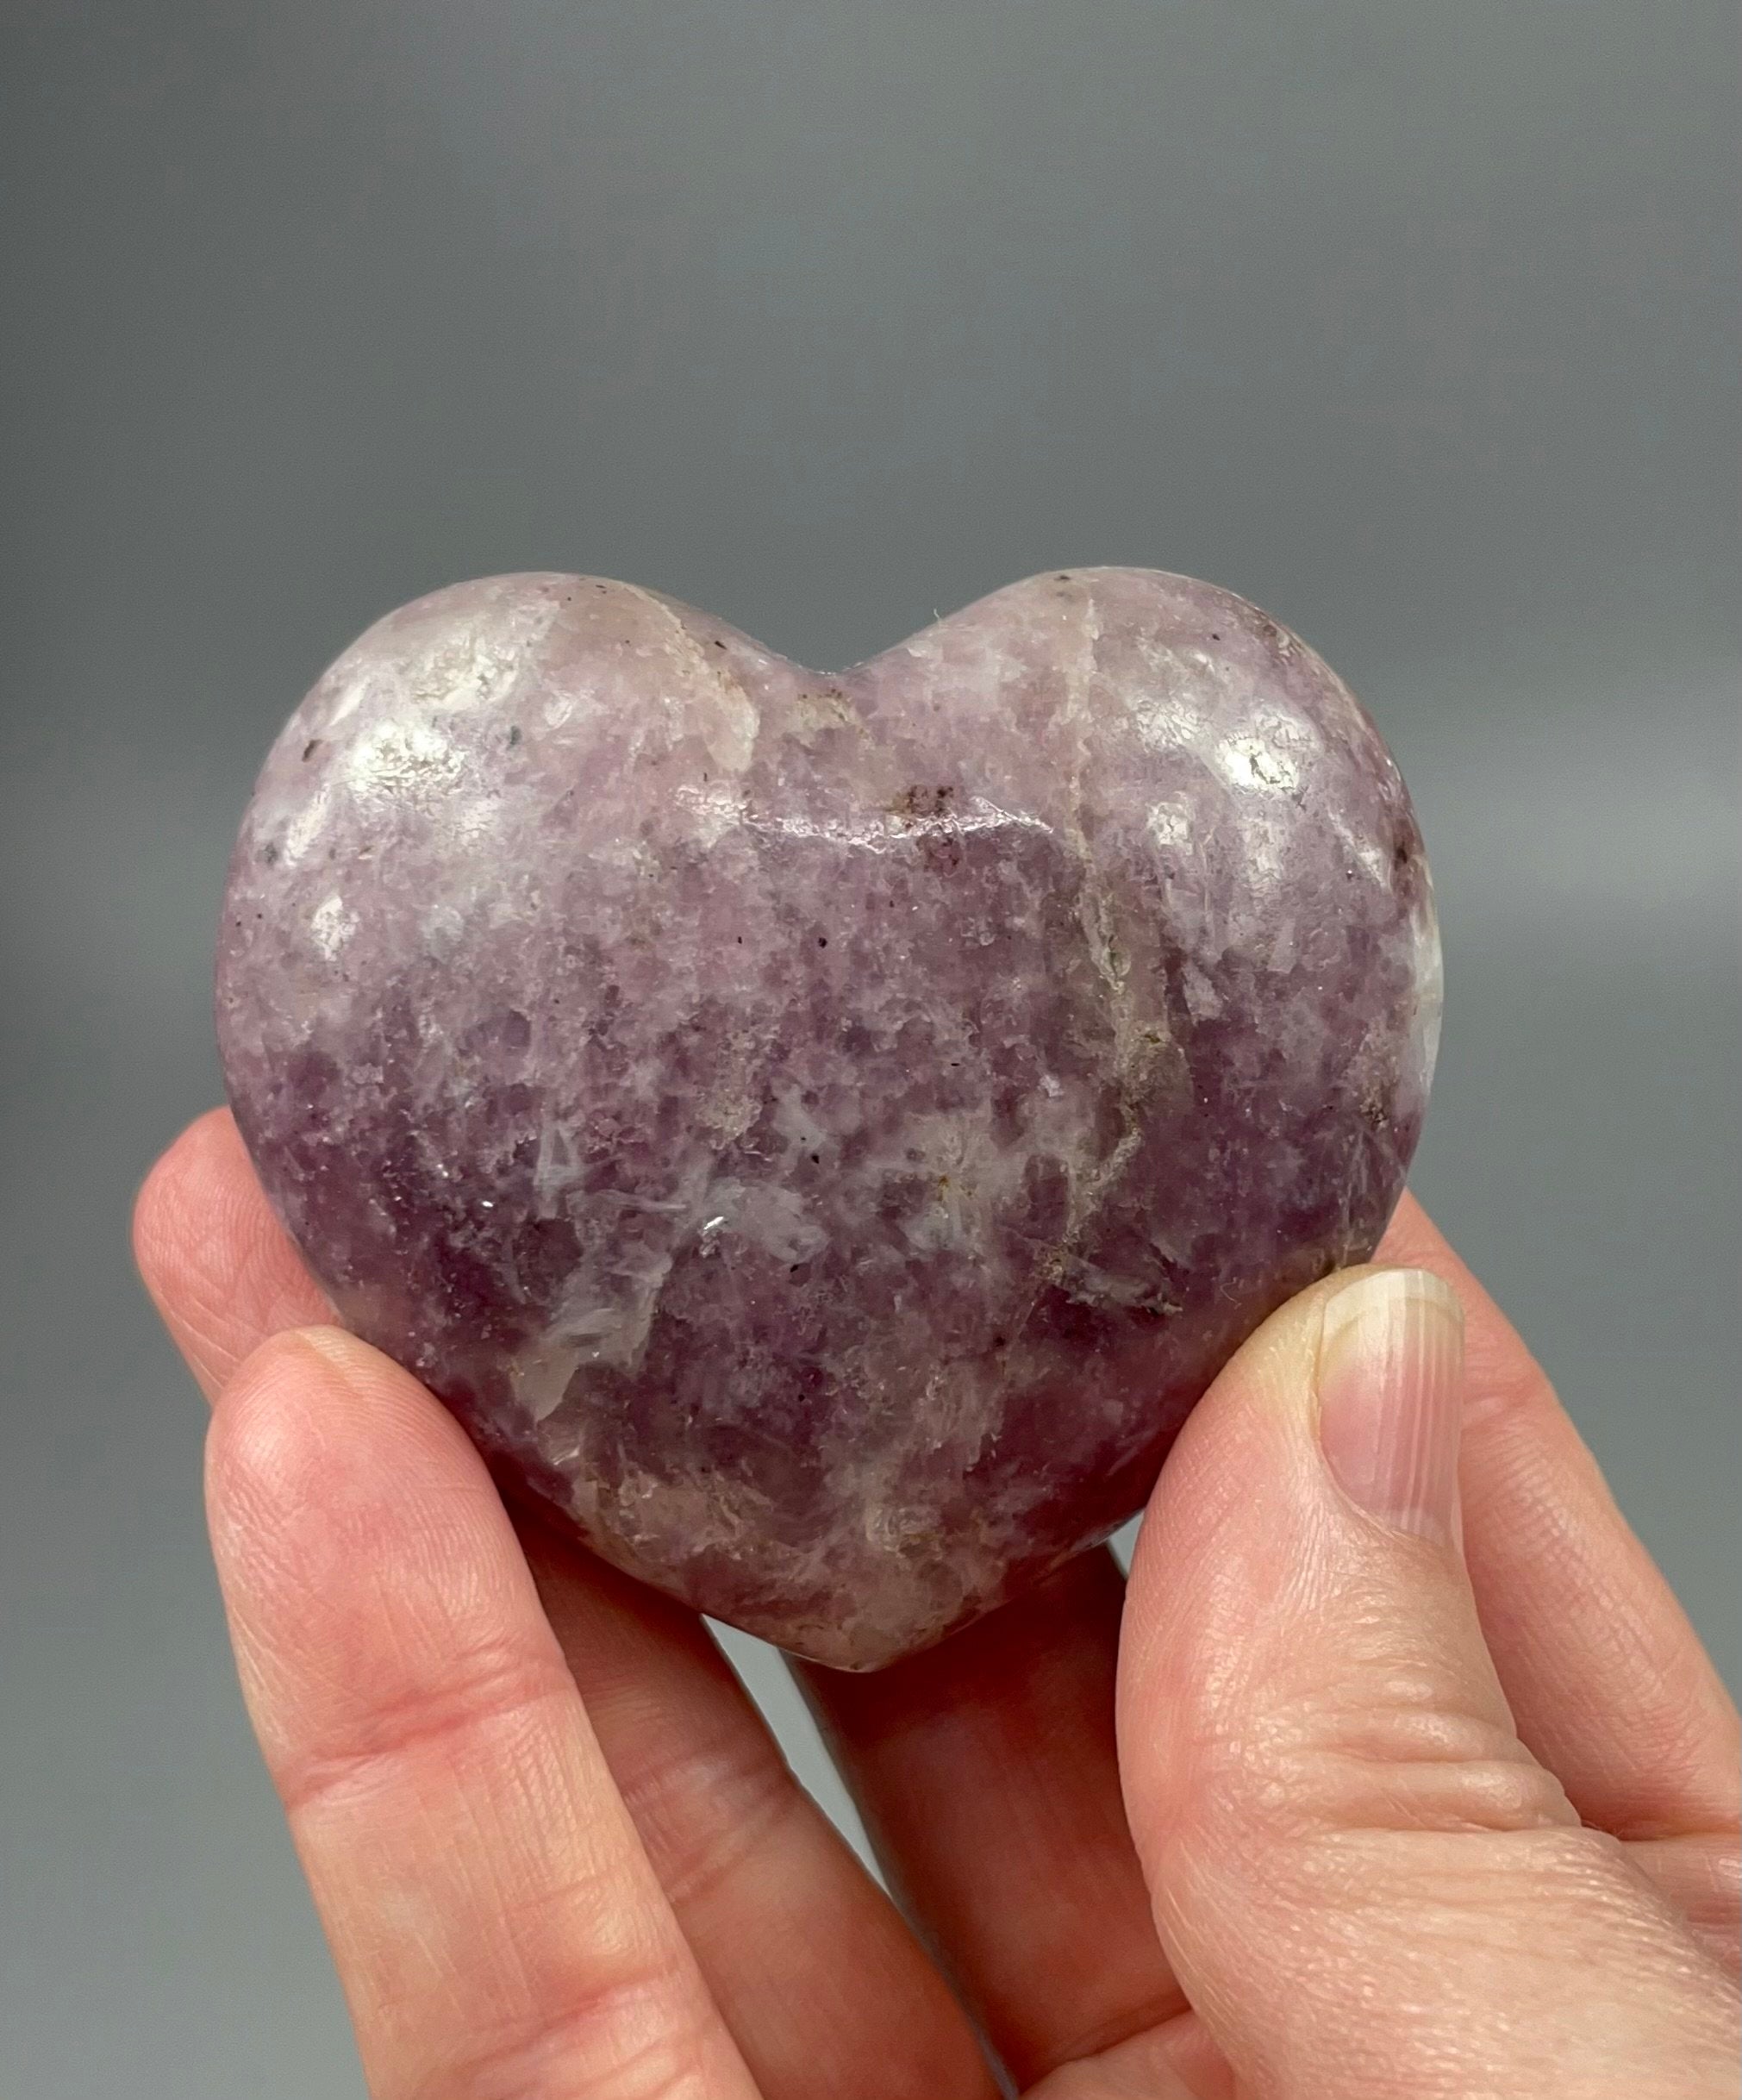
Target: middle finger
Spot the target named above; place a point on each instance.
(823, 1985)
(986, 1770)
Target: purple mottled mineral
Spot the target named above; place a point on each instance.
(821, 1134)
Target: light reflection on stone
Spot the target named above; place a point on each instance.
(821, 1134)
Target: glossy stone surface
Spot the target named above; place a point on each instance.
(821, 1134)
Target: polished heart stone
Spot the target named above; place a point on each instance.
(821, 1134)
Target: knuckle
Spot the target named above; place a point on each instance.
(638, 2034)
(484, 1697)
(1399, 1755)
(702, 1815)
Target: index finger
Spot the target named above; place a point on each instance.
(1608, 1682)
(494, 1918)
(221, 1286)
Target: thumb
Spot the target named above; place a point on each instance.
(1366, 1885)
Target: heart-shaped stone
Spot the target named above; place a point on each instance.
(821, 1134)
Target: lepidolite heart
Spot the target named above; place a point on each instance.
(821, 1134)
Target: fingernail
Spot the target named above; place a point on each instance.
(1391, 1394)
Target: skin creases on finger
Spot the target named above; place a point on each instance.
(828, 1993)
(1369, 1885)
(1700, 1876)
(494, 1917)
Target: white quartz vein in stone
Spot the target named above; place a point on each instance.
(881, 834)
(740, 717)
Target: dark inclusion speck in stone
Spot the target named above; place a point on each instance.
(821, 1136)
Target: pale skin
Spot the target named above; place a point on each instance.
(1319, 1806)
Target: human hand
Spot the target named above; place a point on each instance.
(1377, 1827)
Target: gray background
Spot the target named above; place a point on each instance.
(1411, 322)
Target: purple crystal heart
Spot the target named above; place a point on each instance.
(821, 1134)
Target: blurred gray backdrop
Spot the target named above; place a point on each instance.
(1413, 323)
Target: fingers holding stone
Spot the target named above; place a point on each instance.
(828, 1991)
(1607, 1681)
(492, 1911)
(986, 1774)
(220, 1268)
(822, 1983)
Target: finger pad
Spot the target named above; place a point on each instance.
(363, 1550)
(218, 1264)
